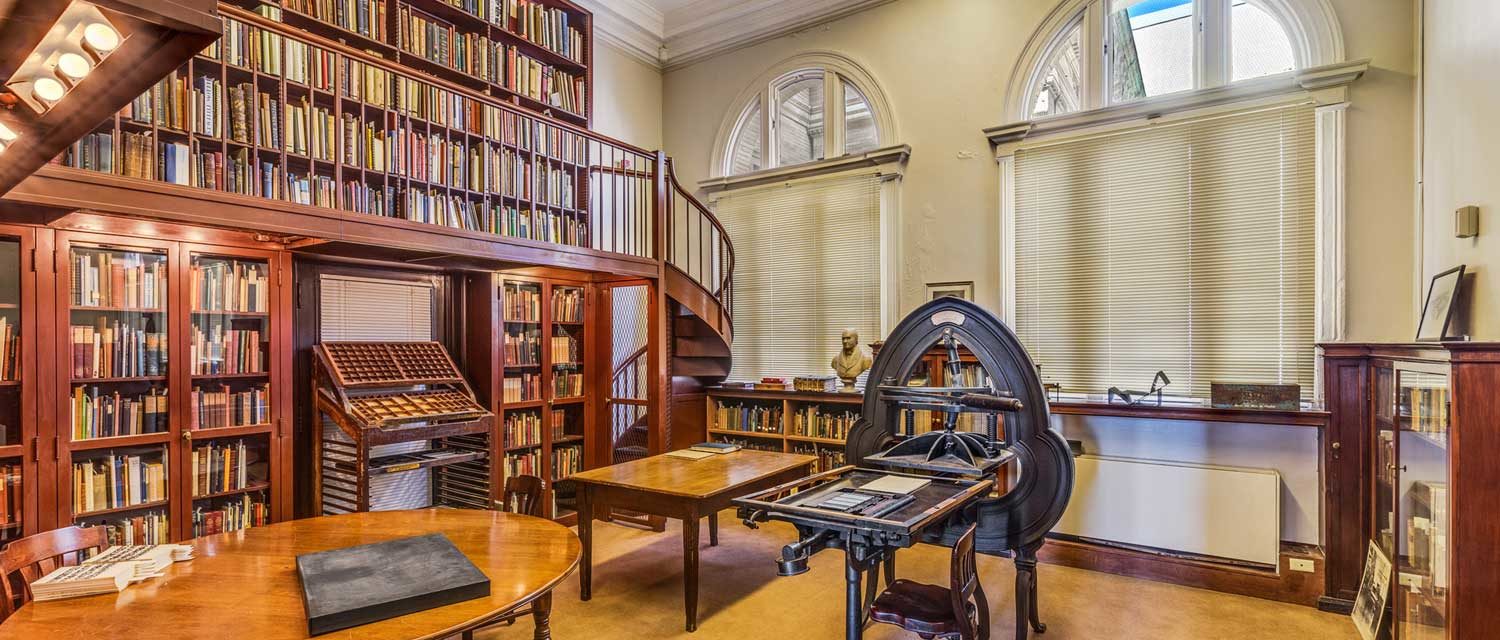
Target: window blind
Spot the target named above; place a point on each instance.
(1184, 247)
(807, 266)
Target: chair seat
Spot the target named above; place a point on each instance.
(917, 607)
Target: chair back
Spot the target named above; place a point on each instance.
(26, 560)
(964, 586)
(523, 493)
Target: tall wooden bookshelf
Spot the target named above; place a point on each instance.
(19, 439)
(172, 386)
(538, 341)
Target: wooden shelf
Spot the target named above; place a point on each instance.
(119, 309)
(259, 486)
(230, 376)
(403, 462)
(137, 507)
(10, 383)
(230, 432)
(751, 434)
(522, 447)
(120, 442)
(12, 450)
(571, 400)
(817, 440)
(119, 380)
(524, 404)
(233, 314)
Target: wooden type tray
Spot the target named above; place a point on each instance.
(391, 409)
(389, 364)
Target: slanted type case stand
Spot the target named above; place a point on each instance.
(381, 393)
(349, 587)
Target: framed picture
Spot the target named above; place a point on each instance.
(1442, 296)
(1374, 592)
(963, 290)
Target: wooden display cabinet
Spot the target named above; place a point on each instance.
(148, 334)
(532, 353)
(19, 394)
(807, 422)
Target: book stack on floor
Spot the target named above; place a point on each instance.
(109, 571)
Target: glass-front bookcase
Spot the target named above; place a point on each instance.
(1422, 525)
(15, 399)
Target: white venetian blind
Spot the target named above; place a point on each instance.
(807, 266)
(1186, 247)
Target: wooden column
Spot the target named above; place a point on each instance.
(1347, 495)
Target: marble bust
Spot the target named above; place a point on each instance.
(852, 360)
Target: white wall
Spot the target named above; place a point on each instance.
(1461, 147)
(627, 97)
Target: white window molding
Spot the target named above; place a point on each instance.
(836, 67)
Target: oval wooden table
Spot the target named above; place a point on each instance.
(244, 584)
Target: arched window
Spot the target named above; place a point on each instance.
(808, 109)
(1099, 53)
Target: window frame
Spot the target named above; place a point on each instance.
(1309, 24)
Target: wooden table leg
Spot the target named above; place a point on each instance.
(690, 569)
(541, 612)
(713, 529)
(586, 537)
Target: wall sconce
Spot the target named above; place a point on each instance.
(1466, 222)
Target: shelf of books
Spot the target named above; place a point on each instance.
(171, 422)
(273, 112)
(812, 423)
(17, 408)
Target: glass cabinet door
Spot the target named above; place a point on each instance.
(1420, 601)
(1385, 459)
(11, 449)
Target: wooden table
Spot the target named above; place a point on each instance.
(244, 584)
(683, 489)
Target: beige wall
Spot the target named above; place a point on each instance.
(627, 98)
(944, 64)
(1461, 146)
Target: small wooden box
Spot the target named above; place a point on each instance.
(1234, 395)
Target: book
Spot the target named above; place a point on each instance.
(689, 454)
(82, 580)
(715, 447)
(147, 560)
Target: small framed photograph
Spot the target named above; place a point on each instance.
(1374, 592)
(1442, 297)
(963, 290)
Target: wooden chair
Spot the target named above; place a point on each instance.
(26, 560)
(958, 611)
(525, 493)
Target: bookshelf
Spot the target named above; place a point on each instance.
(537, 332)
(18, 408)
(807, 422)
(168, 352)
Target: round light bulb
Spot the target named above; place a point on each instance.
(73, 65)
(6, 133)
(48, 89)
(102, 37)
(2, 147)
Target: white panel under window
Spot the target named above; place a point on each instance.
(1186, 247)
(374, 310)
(807, 266)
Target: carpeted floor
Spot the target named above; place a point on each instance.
(638, 594)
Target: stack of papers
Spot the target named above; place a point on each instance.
(901, 485)
(145, 560)
(82, 580)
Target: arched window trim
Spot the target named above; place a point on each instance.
(1311, 25)
(836, 68)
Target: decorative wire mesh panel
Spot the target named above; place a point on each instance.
(414, 406)
(368, 364)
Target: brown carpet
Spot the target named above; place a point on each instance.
(638, 594)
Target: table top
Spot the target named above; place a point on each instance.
(244, 584)
(702, 478)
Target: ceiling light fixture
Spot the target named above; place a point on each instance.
(74, 66)
(6, 133)
(101, 37)
(48, 89)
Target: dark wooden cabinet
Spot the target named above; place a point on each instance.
(20, 399)
(1410, 466)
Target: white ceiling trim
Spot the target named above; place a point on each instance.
(706, 28)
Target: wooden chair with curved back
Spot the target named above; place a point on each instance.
(26, 560)
(930, 611)
(524, 492)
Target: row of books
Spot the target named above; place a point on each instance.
(522, 429)
(314, 190)
(566, 350)
(365, 17)
(522, 303)
(523, 464)
(121, 280)
(567, 304)
(251, 48)
(116, 481)
(1427, 408)
(150, 527)
(523, 388)
(230, 285)
(753, 444)
(181, 103)
(439, 42)
(10, 350)
(234, 515)
(566, 461)
(559, 424)
(310, 130)
(544, 83)
(545, 26)
(523, 347)
(813, 422)
(433, 206)
(224, 466)
(969, 375)
(309, 65)
(223, 407)
(108, 415)
(540, 225)
(115, 349)
(740, 416)
(219, 350)
(11, 495)
(567, 385)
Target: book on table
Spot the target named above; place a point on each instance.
(82, 580)
(146, 560)
(715, 447)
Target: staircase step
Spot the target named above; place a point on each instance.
(690, 326)
(701, 347)
(700, 367)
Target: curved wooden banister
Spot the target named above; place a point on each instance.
(698, 245)
(628, 361)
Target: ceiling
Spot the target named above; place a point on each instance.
(675, 33)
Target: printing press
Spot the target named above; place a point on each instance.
(975, 454)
